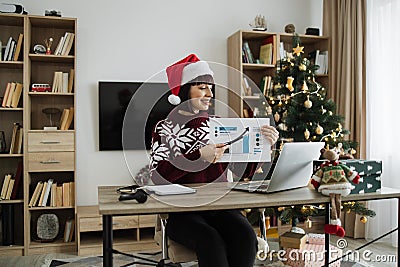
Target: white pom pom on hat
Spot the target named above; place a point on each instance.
(183, 72)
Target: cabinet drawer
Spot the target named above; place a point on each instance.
(51, 161)
(147, 221)
(51, 141)
(119, 222)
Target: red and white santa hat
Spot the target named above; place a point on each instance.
(184, 71)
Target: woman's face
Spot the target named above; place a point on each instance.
(200, 97)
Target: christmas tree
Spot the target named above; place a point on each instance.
(300, 106)
(302, 112)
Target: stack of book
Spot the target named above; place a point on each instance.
(266, 85)
(247, 55)
(65, 44)
(12, 50)
(49, 193)
(63, 82)
(66, 118)
(12, 95)
(16, 139)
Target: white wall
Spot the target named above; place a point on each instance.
(132, 40)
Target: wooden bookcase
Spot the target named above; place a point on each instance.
(254, 72)
(45, 154)
(12, 71)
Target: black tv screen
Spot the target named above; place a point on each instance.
(128, 112)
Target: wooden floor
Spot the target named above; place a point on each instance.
(377, 250)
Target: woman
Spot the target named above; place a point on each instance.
(181, 154)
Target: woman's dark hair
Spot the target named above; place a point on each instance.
(185, 89)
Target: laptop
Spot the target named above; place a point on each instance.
(293, 169)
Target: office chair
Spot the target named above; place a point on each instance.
(170, 249)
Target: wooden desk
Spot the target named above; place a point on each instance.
(217, 196)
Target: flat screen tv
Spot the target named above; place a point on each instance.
(128, 112)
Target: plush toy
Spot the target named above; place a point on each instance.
(332, 179)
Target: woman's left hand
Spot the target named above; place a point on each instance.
(270, 133)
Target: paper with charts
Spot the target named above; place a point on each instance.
(243, 135)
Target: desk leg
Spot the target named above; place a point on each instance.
(107, 241)
(327, 237)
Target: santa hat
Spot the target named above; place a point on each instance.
(183, 72)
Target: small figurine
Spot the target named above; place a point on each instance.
(332, 179)
(259, 23)
(290, 28)
(48, 44)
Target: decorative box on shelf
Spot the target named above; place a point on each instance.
(369, 170)
(312, 255)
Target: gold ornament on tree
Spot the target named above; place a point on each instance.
(302, 67)
(277, 116)
(308, 102)
(297, 50)
(289, 83)
(363, 219)
(304, 87)
(319, 129)
(306, 134)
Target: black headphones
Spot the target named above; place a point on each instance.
(132, 192)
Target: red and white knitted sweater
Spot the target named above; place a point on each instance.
(175, 155)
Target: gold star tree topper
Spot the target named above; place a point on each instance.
(297, 50)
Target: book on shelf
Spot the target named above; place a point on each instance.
(18, 47)
(59, 197)
(68, 44)
(7, 49)
(16, 96)
(16, 139)
(69, 230)
(67, 117)
(53, 195)
(247, 52)
(66, 194)
(10, 188)
(18, 181)
(4, 188)
(10, 56)
(266, 53)
(266, 50)
(59, 45)
(71, 80)
(266, 85)
(35, 195)
(10, 94)
(46, 193)
(6, 94)
(246, 87)
(62, 82)
(65, 44)
(42, 193)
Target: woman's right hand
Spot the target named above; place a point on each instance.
(212, 152)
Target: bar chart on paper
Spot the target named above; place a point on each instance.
(244, 138)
